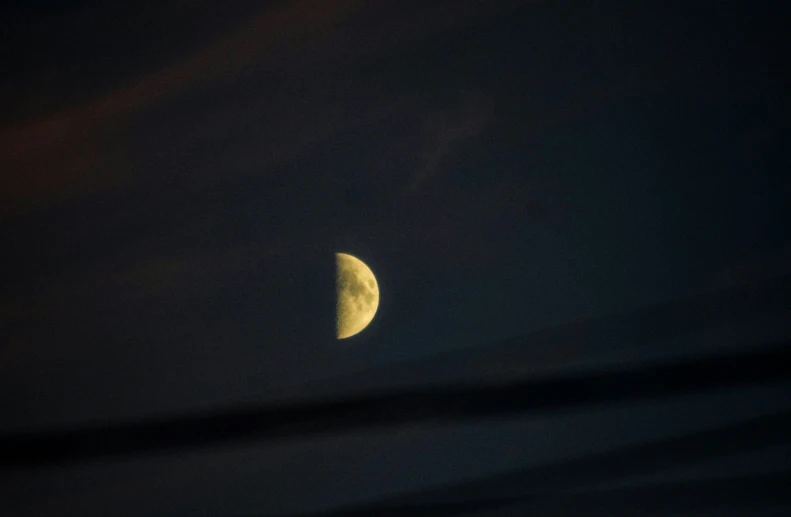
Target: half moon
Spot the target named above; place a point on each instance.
(357, 295)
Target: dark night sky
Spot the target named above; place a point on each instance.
(177, 175)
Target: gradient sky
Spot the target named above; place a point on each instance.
(176, 177)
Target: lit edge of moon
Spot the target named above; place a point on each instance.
(357, 295)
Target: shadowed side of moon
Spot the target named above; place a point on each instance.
(357, 295)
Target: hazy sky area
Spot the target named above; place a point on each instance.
(541, 189)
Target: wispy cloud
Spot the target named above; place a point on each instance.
(84, 147)
(445, 132)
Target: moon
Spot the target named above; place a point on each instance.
(357, 295)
